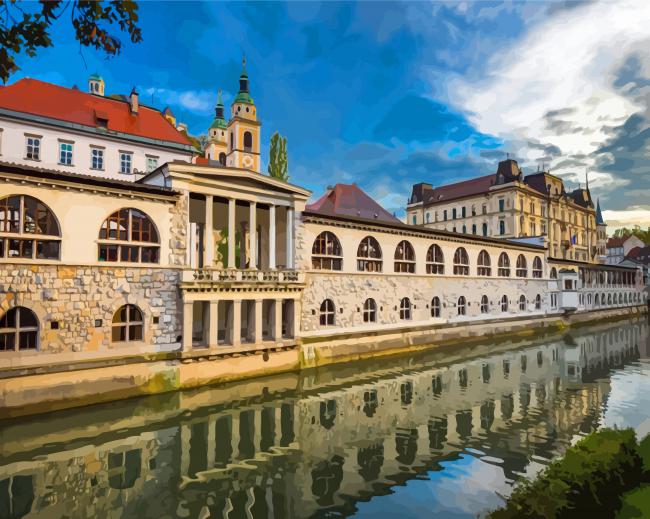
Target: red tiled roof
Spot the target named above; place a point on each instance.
(350, 200)
(462, 189)
(36, 97)
(616, 242)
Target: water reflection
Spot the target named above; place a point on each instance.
(324, 442)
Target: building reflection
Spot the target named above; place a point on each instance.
(322, 449)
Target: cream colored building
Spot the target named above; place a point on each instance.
(508, 204)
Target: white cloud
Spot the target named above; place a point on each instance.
(627, 218)
(195, 101)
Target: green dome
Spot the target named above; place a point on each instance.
(243, 97)
(219, 122)
(96, 77)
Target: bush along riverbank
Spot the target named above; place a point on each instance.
(606, 474)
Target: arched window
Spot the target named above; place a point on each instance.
(522, 267)
(462, 306)
(522, 303)
(435, 260)
(326, 252)
(327, 313)
(128, 324)
(485, 305)
(248, 141)
(369, 311)
(615, 299)
(504, 265)
(537, 267)
(28, 229)
(129, 235)
(435, 307)
(18, 330)
(473, 228)
(484, 268)
(404, 257)
(369, 255)
(553, 273)
(502, 227)
(538, 302)
(461, 262)
(222, 158)
(504, 303)
(405, 309)
(597, 300)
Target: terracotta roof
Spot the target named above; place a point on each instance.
(616, 242)
(350, 200)
(462, 189)
(35, 97)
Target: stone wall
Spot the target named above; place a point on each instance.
(82, 300)
(348, 292)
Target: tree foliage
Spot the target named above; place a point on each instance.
(644, 236)
(25, 27)
(278, 161)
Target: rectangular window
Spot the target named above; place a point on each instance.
(484, 208)
(502, 203)
(444, 215)
(453, 213)
(65, 153)
(33, 148)
(96, 158)
(152, 163)
(125, 162)
(462, 211)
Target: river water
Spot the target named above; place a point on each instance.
(445, 433)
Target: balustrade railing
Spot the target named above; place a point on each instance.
(211, 275)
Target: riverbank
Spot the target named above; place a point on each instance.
(41, 393)
(605, 474)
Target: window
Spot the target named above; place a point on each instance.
(405, 309)
(504, 265)
(484, 268)
(248, 141)
(462, 306)
(522, 268)
(428, 217)
(464, 229)
(484, 209)
(129, 235)
(18, 330)
(502, 203)
(369, 255)
(462, 212)
(444, 215)
(473, 228)
(461, 262)
(404, 257)
(502, 227)
(537, 267)
(65, 153)
(124, 468)
(415, 219)
(485, 229)
(125, 162)
(326, 252)
(553, 273)
(435, 307)
(96, 158)
(327, 313)
(553, 300)
(152, 163)
(522, 303)
(485, 305)
(538, 302)
(369, 311)
(33, 148)
(32, 229)
(435, 260)
(127, 324)
(504, 303)
(222, 158)
(453, 213)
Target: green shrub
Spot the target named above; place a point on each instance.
(636, 504)
(590, 479)
(644, 452)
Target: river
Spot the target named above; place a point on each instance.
(444, 433)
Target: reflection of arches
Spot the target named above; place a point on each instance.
(370, 461)
(328, 413)
(406, 392)
(437, 433)
(326, 479)
(487, 414)
(464, 424)
(406, 445)
(124, 468)
(370, 402)
(16, 496)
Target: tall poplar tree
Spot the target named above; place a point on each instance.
(278, 161)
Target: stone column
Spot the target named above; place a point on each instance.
(213, 323)
(188, 319)
(234, 436)
(289, 237)
(277, 323)
(231, 233)
(236, 322)
(257, 428)
(271, 237)
(297, 307)
(212, 444)
(186, 434)
(258, 320)
(252, 260)
(208, 252)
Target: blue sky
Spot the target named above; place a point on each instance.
(386, 95)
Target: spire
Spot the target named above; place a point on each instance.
(219, 119)
(243, 96)
(599, 214)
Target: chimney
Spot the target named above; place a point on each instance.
(133, 101)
